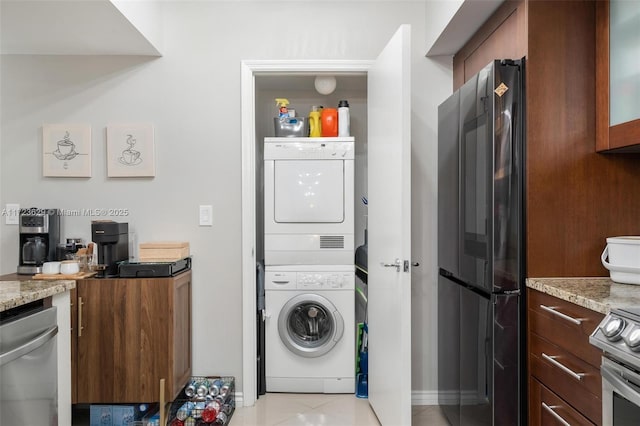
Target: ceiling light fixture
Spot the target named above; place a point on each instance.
(325, 84)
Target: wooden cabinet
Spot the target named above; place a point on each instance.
(617, 76)
(128, 334)
(564, 369)
(549, 409)
(574, 195)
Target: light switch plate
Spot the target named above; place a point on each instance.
(12, 214)
(206, 215)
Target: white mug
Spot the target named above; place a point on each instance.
(69, 267)
(51, 268)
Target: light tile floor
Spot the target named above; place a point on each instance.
(286, 409)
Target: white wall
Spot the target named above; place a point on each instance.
(192, 96)
(146, 17)
(439, 13)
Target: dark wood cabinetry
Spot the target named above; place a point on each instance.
(563, 367)
(127, 335)
(575, 197)
(549, 409)
(624, 137)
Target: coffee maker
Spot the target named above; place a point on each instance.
(39, 235)
(112, 239)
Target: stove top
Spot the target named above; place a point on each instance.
(618, 335)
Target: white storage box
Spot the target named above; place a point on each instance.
(624, 259)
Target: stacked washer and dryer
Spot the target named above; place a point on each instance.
(309, 265)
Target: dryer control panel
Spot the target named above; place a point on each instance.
(309, 148)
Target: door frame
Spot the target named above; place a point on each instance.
(249, 70)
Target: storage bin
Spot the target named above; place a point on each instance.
(623, 255)
(163, 251)
(196, 409)
(291, 127)
(120, 414)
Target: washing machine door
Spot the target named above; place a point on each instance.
(310, 325)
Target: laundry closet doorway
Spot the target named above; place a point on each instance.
(384, 140)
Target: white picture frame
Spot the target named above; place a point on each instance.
(66, 150)
(130, 150)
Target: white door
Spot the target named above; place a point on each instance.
(389, 209)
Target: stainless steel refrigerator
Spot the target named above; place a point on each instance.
(481, 242)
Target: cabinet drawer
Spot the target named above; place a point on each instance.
(549, 409)
(555, 373)
(562, 331)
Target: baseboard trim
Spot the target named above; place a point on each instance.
(424, 397)
(417, 398)
(239, 399)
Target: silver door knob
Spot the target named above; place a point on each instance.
(397, 264)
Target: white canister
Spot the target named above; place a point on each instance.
(344, 123)
(69, 267)
(51, 268)
(623, 254)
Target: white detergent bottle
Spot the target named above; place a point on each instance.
(343, 119)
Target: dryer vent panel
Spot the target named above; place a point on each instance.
(331, 241)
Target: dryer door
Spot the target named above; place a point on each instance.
(309, 191)
(310, 325)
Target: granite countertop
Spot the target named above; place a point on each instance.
(16, 293)
(599, 294)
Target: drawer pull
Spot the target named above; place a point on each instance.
(558, 417)
(80, 327)
(552, 310)
(552, 360)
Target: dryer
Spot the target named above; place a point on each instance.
(310, 329)
(308, 201)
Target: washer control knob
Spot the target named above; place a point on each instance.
(612, 329)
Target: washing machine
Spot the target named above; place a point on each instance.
(310, 329)
(308, 201)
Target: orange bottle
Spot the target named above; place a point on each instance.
(329, 119)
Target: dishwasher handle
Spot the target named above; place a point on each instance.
(38, 341)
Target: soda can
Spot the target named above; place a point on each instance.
(210, 412)
(215, 386)
(228, 408)
(202, 389)
(190, 421)
(224, 390)
(185, 410)
(221, 418)
(222, 400)
(198, 409)
(190, 389)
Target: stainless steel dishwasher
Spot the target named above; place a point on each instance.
(28, 366)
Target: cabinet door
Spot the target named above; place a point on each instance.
(617, 76)
(73, 293)
(181, 334)
(133, 335)
(549, 409)
(110, 329)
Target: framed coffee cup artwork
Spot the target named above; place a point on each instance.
(130, 150)
(66, 150)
